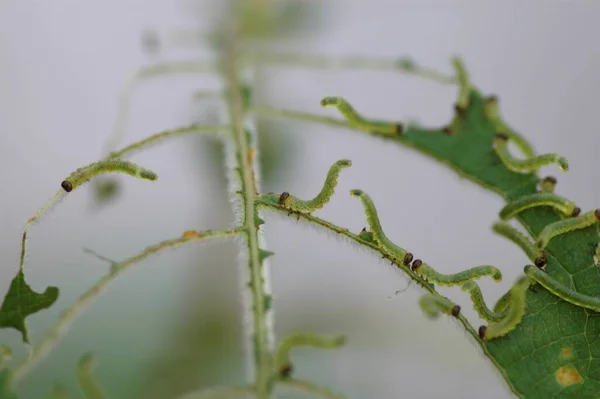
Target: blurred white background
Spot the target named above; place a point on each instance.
(62, 65)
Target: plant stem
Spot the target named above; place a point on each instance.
(221, 393)
(262, 336)
(70, 314)
(347, 62)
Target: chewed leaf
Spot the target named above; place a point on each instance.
(21, 301)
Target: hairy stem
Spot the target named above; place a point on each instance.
(344, 232)
(69, 315)
(262, 335)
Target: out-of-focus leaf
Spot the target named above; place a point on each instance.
(21, 301)
(106, 190)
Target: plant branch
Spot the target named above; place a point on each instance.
(156, 138)
(348, 62)
(220, 393)
(69, 315)
(189, 67)
(344, 232)
(263, 337)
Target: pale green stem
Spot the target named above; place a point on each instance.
(299, 115)
(347, 62)
(263, 336)
(221, 393)
(69, 315)
(154, 139)
(53, 201)
(188, 67)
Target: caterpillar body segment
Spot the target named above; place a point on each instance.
(472, 288)
(564, 226)
(289, 201)
(562, 291)
(358, 121)
(434, 304)
(464, 83)
(398, 255)
(514, 235)
(493, 114)
(561, 204)
(85, 173)
(514, 312)
(502, 303)
(500, 145)
(428, 273)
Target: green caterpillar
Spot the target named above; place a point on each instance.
(396, 254)
(357, 121)
(514, 312)
(507, 231)
(427, 272)
(464, 84)
(500, 145)
(502, 303)
(493, 114)
(561, 204)
(434, 304)
(564, 226)
(366, 235)
(85, 173)
(562, 291)
(479, 305)
(288, 201)
(282, 360)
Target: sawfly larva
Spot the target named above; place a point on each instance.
(533, 164)
(565, 226)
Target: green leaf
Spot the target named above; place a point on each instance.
(21, 301)
(555, 350)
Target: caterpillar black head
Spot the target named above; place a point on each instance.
(285, 371)
(491, 99)
(540, 261)
(67, 186)
(408, 258)
(502, 136)
(399, 129)
(456, 310)
(597, 214)
(576, 211)
(416, 264)
(284, 196)
(482, 331)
